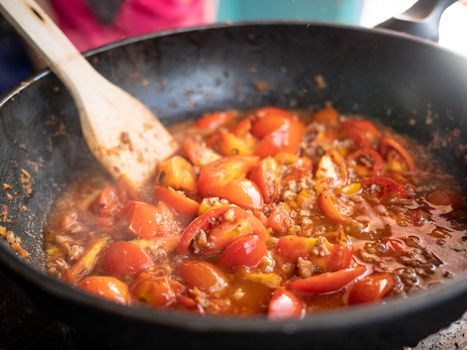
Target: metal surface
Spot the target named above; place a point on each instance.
(411, 85)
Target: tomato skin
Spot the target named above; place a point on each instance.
(371, 288)
(229, 145)
(268, 119)
(177, 173)
(107, 202)
(203, 275)
(327, 282)
(125, 258)
(285, 139)
(220, 236)
(242, 128)
(176, 200)
(106, 287)
(369, 153)
(244, 193)
(147, 221)
(217, 174)
(363, 132)
(266, 176)
(213, 121)
(390, 188)
(387, 144)
(281, 218)
(197, 151)
(329, 206)
(443, 197)
(327, 114)
(245, 251)
(156, 291)
(285, 304)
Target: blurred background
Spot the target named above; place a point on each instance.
(92, 23)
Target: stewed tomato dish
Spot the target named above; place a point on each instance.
(268, 211)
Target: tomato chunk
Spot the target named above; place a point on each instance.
(156, 291)
(107, 202)
(245, 251)
(392, 151)
(212, 231)
(362, 132)
(285, 139)
(125, 258)
(366, 162)
(176, 200)
(332, 169)
(213, 121)
(203, 275)
(327, 282)
(106, 287)
(327, 114)
(269, 119)
(443, 197)
(281, 218)
(332, 208)
(147, 221)
(285, 304)
(266, 176)
(244, 193)
(197, 152)
(371, 288)
(384, 188)
(177, 173)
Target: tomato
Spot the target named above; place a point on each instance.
(176, 200)
(332, 208)
(281, 218)
(223, 171)
(245, 251)
(244, 193)
(269, 119)
(371, 288)
(203, 275)
(229, 145)
(395, 246)
(242, 128)
(107, 201)
(147, 221)
(285, 304)
(362, 132)
(327, 114)
(156, 291)
(385, 188)
(177, 173)
(106, 287)
(362, 159)
(392, 151)
(332, 169)
(127, 190)
(285, 139)
(266, 176)
(213, 121)
(443, 197)
(222, 225)
(125, 258)
(197, 151)
(336, 255)
(327, 282)
(298, 170)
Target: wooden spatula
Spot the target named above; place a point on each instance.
(120, 131)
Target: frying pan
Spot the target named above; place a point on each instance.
(412, 85)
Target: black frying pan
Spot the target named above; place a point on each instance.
(412, 85)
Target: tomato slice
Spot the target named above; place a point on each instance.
(332, 208)
(366, 162)
(125, 258)
(107, 202)
(197, 151)
(327, 282)
(176, 200)
(269, 119)
(244, 193)
(242, 128)
(384, 188)
(156, 291)
(327, 114)
(223, 171)
(332, 169)
(147, 221)
(106, 287)
(203, 275)
(177, 173)
(362, 132)
(266, 176)
(213, 121)
(371, 288)
(387, 147)
(444, 197)
(284, 304)
(281, 218)
(229, 145)
(221, 226)
(245, 251)
(285, 139)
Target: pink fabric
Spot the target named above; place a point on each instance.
(133, 18)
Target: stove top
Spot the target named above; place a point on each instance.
(24, 326)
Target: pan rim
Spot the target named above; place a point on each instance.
(344, 318)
